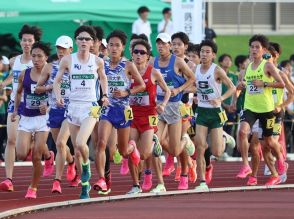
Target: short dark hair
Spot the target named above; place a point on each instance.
(284, 63)
(99, 32)
(143, 36)
(182, 36)
(43, 46)
(1, 57)
(85, 28)
(119, 34)
(223, 56)
(277, 47)
(272, 51)
(291, 57)
(194, 48)
(134, 36)
(143, 43)
(34, 30)
(240, 59)
(143, 9)
(210, 44)
(166, 10)
(260, 38)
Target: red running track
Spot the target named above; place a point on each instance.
(224, 176)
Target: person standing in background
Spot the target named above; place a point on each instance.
(166, 25)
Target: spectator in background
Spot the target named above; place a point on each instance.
(209, 33)
(3, 106)
(5, 63)
(225, 61)
(142, 25)
(292, 60)
(166, 25)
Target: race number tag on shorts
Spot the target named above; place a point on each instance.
(277, 128)
(223, 116)
(153, 120)
(270, 123)
(184, 110)
(95, 111)
(128, 113)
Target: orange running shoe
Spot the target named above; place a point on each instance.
(178, 174)
(192, 172)
(208, 174)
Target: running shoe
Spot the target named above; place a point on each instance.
(252, 181)
(157, 149)
(56, 188)
(135, 190)
(230, 141)
(86, 188)
(273, 180)
(49, 165)
(208, 174)
(244, 172)
(159, 188)
(76, 181)
(86, 172)
(169, 166)
(282, 167)
(147, 183)
(108, 184)
(183, 184)
(135, 155)
(6, 186)
(284, 177)
(117, 158)
(71, 172)
(178, 174)
(100, 185)
(267, 171)
(189, 146)
(192, 174)
(124, 168)
(202, 187)
(31, 193)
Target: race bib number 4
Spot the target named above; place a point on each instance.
(128, 114)
(153, 120)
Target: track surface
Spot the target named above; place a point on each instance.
(224, 176)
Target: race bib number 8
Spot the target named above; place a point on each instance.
(223, 116)
(153, 120)
(128, 114)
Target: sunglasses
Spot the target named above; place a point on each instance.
(84, 38)
(137, 51)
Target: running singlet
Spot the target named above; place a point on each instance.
(84, 84)
(16, 70)
(117, 80)
(171, 78)
(258, 99)
(64, 88)
(207, 87)
(143, 103)
(32, 101)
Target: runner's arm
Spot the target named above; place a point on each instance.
(221, 74)
(159, 79)
(290, 88)
(132, 70)
(63, 66)
(40, 88)
(18, 92)
(271, 70)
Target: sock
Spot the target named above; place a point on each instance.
(147, 172)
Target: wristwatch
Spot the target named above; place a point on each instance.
(105, 95)
(265, 84)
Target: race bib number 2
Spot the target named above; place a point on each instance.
(153, 120)
(128, 114)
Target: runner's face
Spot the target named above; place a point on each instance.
(61, 52)
(39, 58)
(226, 63)
(256, 50)
(26, 42)
(84, 41)
(115, 47)
(163, 48)
(178, 47)
(140, 55)
(206, 54)
(193, 57)
(95, 48)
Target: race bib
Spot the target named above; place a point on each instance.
(270, 123)
(115, 84)
(277, 128)
(153, 120)
(81, 81)
(251, 89)
(141, 99)
(223, 116)
(95, 111)
(128, 113)
(185, 111)
(34, 102)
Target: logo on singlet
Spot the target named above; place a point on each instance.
(90, 67)
(77, 66)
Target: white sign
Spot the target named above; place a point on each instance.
(188, 17)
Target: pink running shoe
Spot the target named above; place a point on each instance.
(31, 193)
(49, 165)
(135, 155)
(147, 183)
(178, 174)
(76, 181)
(71, 172)
(124, 168)
(208, 174)
(183, 184)
(273, 180)
(56, 188)
(169, 166)
(244, 172)
(6, 186)
(282, 167)
(252, 181)
(100, 185)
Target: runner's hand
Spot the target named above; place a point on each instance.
(258, 83)
(174, 92)
(216, 102)
(160, 108)
(60, 102)
(14, 116)
(120, 93)
(43, 109)
(105, 101)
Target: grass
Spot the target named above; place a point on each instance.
(236, 45)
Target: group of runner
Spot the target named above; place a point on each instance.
(140, 106)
